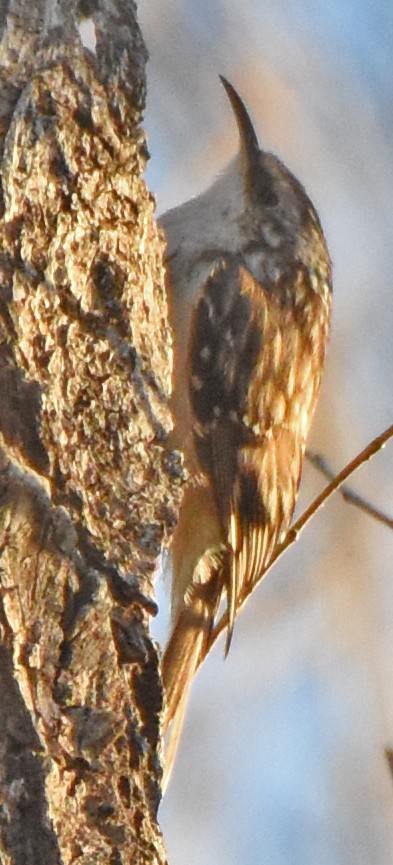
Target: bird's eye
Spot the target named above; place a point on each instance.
(268, 197)
(263, 190)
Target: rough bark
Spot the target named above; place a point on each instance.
(87, 487)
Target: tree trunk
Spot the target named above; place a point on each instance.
(87, 488)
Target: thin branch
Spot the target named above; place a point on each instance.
(364, 456)
(389, 759)
(319, 462)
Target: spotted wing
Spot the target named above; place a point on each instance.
(254, 369)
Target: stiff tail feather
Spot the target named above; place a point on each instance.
(187, 647)
(179, 665)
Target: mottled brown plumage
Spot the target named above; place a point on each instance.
(249, 297)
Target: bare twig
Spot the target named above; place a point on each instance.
(389, 759)
(364, 456)
(319, 462)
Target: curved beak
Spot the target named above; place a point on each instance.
(258, 184)
(249, 146)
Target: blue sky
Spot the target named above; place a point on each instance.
(282, 755)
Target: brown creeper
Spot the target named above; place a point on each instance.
(249, 293)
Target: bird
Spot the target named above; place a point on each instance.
(249, 291)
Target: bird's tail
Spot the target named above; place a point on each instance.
(186, 649)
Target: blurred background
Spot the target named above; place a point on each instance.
(281, 760)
